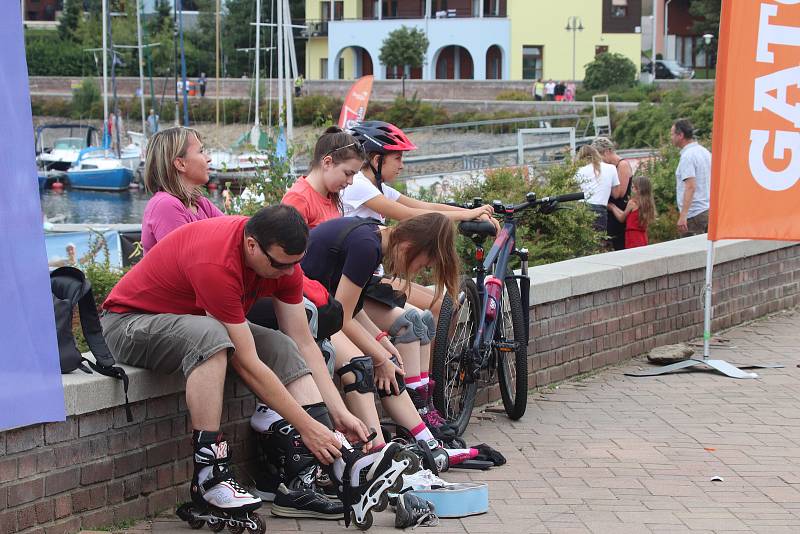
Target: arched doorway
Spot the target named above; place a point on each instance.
(454, 63)
(494, 63)
(353, 62)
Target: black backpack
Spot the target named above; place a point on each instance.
(71, 288)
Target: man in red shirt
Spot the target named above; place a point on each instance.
(183, 306)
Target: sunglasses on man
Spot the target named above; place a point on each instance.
(277, 264)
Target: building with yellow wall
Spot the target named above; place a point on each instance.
(471, 39)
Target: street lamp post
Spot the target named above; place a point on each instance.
(707, 39)
(574, 24)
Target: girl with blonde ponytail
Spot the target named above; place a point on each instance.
(599, 181)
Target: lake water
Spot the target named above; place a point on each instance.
(98, 207)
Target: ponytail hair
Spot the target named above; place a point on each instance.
(339, 145)
(589, 154)
(431, 235)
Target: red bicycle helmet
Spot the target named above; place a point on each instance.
(381, 137)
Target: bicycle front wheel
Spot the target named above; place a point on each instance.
(511, 352)
(454, 392)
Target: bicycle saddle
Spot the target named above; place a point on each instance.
(476, 228)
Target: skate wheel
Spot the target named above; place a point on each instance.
(235, 529)
(216, 526)
(366, 524)
(397, 487)
(261, 526)
(412, 458)
(196, 524)
(383, 502)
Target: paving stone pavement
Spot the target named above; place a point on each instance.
(615, 454)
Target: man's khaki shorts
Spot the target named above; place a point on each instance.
(697, 225)
(167, 343)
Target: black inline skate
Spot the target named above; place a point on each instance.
(218, 499)
(288, 472)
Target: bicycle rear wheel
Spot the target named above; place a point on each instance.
(454, 394)
(511, 352)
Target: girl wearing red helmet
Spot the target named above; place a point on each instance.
(370, 195)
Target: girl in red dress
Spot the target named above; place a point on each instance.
(638, 214)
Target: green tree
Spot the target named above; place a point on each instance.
(70, 17)
(609, 69)
(707, 13)
(404, 47)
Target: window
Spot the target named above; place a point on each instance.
(600, 49)
(389, 9)
(341, 68)
(532, 62)
(323, 68)
(619, 9)
(338, 10)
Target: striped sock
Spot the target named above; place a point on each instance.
(423, 376)
(421, 432)
(414, 382)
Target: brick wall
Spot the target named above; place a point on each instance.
(579, 334)
(96, 469)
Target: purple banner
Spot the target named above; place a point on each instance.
(30, 374)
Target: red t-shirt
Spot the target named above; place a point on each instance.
(200, 268)
(315, 208)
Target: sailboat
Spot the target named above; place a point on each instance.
(99, 167)
(228, 164)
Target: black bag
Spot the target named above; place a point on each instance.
(70, 288)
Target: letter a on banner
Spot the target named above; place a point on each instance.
(755, 175)
(354, 108)
(30, 374)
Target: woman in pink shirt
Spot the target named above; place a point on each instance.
(175, 170)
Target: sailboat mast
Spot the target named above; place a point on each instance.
(105, 71)
(141, 62)
(258, 58)
(216, 92)
(287, 42)
(279, 29)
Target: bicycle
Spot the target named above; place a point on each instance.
(492, 318)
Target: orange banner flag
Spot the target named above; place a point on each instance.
(354, 108)
(755, 174)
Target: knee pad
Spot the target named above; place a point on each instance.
(415, 328)
(401, 384)
(430, 324)
(329, 353)
(361, 367)
(313, 316)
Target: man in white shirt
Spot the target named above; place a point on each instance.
(693, 180)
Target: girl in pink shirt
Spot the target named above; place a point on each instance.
(175, 170)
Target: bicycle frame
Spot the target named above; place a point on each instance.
(499, 255)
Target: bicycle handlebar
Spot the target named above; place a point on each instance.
(530, 202)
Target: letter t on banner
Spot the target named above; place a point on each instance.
(30, 373)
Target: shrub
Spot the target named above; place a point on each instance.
(649, 124)
(563, 235)
(514, 95)
(85, 96)
(609, 69)
(621, 93)
(408, 113)
(48, 55)
(316, 109)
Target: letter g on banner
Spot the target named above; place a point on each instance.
(784, 141)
